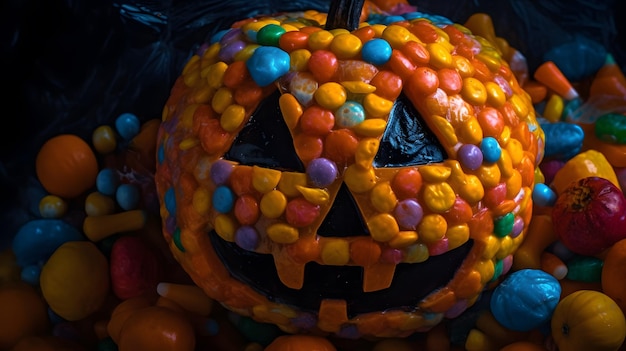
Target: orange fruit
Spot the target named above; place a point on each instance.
(23, 312)
(157, 328)
(66, 166)
(614, 274)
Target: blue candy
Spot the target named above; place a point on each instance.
(491, 149)
(543, 195)
(36, 240)
(128, 196)
(267, 64)
(107, 181)
(127, 125)
(376, 51)
(223, 199)
(563, 140)
(170, 201)
(350, 114)
(525, 299)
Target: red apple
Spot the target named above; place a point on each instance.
(590, 215)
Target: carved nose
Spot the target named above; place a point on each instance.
(344, 217)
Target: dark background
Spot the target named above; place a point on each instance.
(71, 66)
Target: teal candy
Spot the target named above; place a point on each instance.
(376, 51)
(350, 114)
(491, 149)
(543, 195)
(611, 128)
(585, 269)
(525, 300)
(502, 226)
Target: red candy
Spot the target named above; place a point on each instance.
(134, 268)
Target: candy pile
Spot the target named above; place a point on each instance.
(91, 270)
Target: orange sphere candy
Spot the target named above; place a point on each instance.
(66, 166)
(300, 343)
(157, 328)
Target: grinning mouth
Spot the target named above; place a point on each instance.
(411, 283)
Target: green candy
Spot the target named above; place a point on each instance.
(584, 269)
(503, 226)
(270, 35)
(611, 128)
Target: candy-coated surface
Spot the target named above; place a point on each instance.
(23, 314)
(350, 103)
(157, 328)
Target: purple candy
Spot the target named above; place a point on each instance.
(247, 238)
(322, 172)
(230, 35)
(470, 156)
(518, 226)
(408, 214)
(220, 171)
(228, 51)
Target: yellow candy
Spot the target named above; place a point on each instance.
(474, 91)
(314, 195)
(396, 35)
(201, 200)
(513, 184)
(403, 239)
(186, 118)
(232, 118)
(201, 94)
(192, 64)
(346, 46)
(470, 131)
(371, 128)
(486, 269)
(215, 74)
(463, 66)
(282, 233)
(379, 29)
(472, 189)
(98, 204)
(439, 197)
(446, 130)
(435, 173)
(330, 95)
(299, 60)
(359, 179)
(495, 94)
(440, 56)
(273, 204)
(365, 152)
(265, 179)
(320, 40)
(358, 87)
(188, 143)
(491, 59)
(590, 163)
(245, 53)
(489, 175)
(335, 252)
(505, 136)
(492, 245)
(103, 139)
(225, 227)
(75, 280)
(289, 181)
(52, 206)
(289, 28)
(516, 151)
(505, 164)
(222, 98)
(383, 197)
(210, 54)
(519, 106)
(376, 106)
(192, 78)
(554, 108)
(291, 109)
(383, 227)
(457, 235)
(506, 247)
(416, 253)
(432, 228)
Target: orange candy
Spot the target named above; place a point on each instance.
(614, 274)
(66, 166)
(23, 313)
(523, 346)
(157, 328)
(300, 343)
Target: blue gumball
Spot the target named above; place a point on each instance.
(525, 300)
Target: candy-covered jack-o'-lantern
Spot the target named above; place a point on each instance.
(360, 182)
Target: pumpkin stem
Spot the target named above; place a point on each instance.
(344, 14)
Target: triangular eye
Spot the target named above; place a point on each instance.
(265, 140)
(407, 141)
